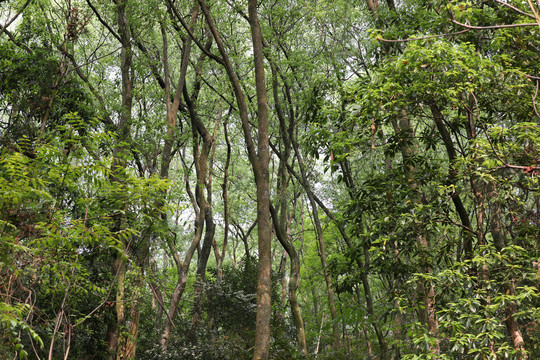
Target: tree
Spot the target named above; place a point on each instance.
(389, 148)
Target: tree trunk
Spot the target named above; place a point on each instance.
(452, 173)
(182, 267)
(225, 187)
(499, 240)
(259, 159)
(427, 311)
(264, 279)
(322, 249)
(203, 169)
(294, 280)
(117, 339)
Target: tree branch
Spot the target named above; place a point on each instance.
(422, 38)
(493, 26)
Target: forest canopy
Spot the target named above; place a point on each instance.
(269, 179)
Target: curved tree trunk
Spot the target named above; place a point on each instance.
(182, 267)
(322, 249)
(259, 158)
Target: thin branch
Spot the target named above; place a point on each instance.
(527, 169)
(493, 26)
(4, 28)
(515, 9)
(534, 99)
(190, 33)
(422, 38)
(96, 59)
(103, 22)
(14, 40)
(535, 12)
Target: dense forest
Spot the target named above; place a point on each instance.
(271, 179)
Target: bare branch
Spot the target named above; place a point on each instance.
(535, 12)
(534, 99)
(515, 9)
(103, 22)
(493, 26)
(190, 33)
(9, 22)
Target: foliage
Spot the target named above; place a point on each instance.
(413, 127)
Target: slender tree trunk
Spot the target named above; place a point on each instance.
(264, 279)
(259, 158)
(322, 249)
(364, 277)
(182, 267)
(294, 281)
(117, 339)
(281, 222)
(452, 173)
(426, 291)
(283, 277)
(203, 184)
(499, 240)
(221, 257)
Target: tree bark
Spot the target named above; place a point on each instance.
(452, 173)
(264, 279)
(364, 277)
(182, 267)
(203, 168)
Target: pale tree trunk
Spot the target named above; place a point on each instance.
(479, 200)
(203, 166)
(425, 290)
(182, 268)
(427, 311)
(283, 277)
(133, 327)
(294, 280)
(244, 236)
(364, 278)
(173, 107)
(220, 257)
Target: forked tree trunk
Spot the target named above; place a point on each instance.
(182, 267)
(294, 281)
(259, 158)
